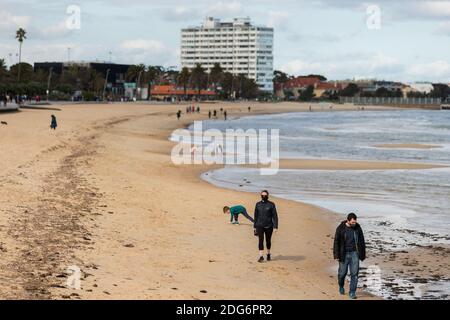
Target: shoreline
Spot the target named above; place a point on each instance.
(403, 280)
(147, 210)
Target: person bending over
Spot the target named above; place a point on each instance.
(234, 213)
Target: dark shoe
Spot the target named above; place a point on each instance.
(269, 258)
(261, 259)
(352, 295)
(341, 290)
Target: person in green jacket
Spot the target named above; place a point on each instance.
(234, 213)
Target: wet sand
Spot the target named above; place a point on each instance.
(319, 164)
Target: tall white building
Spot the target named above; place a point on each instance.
(239, 47)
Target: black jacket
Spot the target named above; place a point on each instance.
(339, 242)
(266, 215)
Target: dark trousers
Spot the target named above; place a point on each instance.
(245, 214)
(351, 261)
(267, 233)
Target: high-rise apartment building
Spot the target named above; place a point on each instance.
(238, 46)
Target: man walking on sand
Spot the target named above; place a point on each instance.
(266, 221)
(349, 247)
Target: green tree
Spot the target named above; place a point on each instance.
(152, 75)
(350, 90)
(3, 69)
(318, 76)
(227, 84)
(198, 78)
(96, 82)
(215, 75)
(307, 94)
(280, 77)
(134, 72)
(20, 36)
(24, 69)
(249, 88)
(440, 91)
(183, 79)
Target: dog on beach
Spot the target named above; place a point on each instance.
(4, 123)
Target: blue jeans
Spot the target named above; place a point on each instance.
(351, 260)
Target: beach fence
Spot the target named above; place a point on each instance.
(403, 102)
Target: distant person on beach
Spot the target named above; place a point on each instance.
(209, 114)
(53, 123)
(215, 114)
(179, 114)
(225, 114)
(234, 213)
(266, 221)
(349, 247)
(249, 109)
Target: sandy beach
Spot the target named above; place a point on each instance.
(101, 194)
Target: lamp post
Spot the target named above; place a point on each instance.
(48, 82)
(106, 82)
(138, 84)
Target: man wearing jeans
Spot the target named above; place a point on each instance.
(349, 247)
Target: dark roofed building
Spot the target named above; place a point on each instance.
(116, 77)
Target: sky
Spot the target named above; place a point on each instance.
(404, 40)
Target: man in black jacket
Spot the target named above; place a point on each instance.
(266, 221)
(349, 247)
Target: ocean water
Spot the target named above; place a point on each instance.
(398, 208)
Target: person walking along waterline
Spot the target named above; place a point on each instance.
(53, 123)
(349, 248)
(266, 221)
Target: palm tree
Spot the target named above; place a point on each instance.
(3, 69)
(183, 79)
(152, 74)
(216, 75)
(96, 82)
(198, 77)
(20, 36)
(134, 71)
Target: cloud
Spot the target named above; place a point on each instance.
(224, 9)
(443, 29)
(53, 31)
(362, 66)
(10, 22)
(320, 37)
(181, 13)
(279, 20)
(220, 9)
(147, 52)
(432, 9)
(433, 70)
